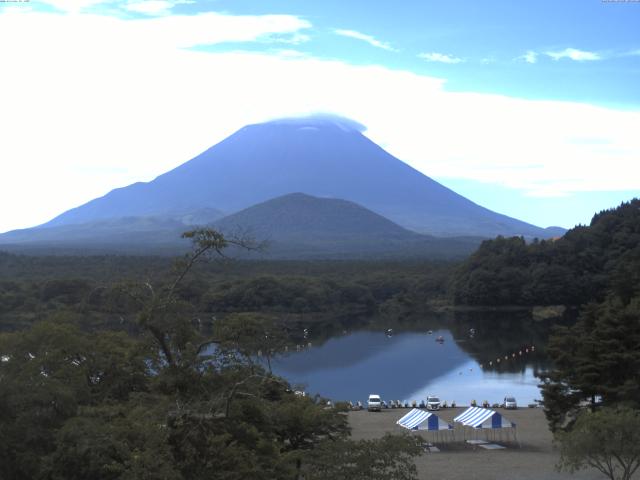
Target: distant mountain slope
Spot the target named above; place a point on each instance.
(319, 156)
(108, 231)
(124, 234)
(294, 226)
(301, 226)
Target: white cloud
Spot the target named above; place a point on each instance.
(151, 7)
(439, 57)
(130, 102)
(529, 57)
(574, 54)
(365, 38)
(75, 6)
(208, 28)
(289, 53)
(148, 7)
(295, 38)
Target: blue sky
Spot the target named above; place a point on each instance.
(529, 108)
(488, 37)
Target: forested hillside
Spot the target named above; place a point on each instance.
(595, 361)
(92, 290)
(580, 267)
(177, 399)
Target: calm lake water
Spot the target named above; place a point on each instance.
(410, 366)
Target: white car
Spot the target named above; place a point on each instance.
(510, 403)
(433, 403)
(374, 404)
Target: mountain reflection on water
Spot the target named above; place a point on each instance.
(410, 365)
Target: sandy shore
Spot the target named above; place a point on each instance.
(534, 458)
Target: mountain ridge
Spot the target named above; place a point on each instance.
(320, 157)
(294, 226)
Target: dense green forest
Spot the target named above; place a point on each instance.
(582, 266)
(93, 289)
(596, 268)
(149, 399)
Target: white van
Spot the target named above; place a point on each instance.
(374, 404)
(433, 403)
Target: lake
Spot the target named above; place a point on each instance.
(411, 365)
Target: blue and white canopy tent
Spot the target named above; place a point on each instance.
(418, 419)
(485, 420)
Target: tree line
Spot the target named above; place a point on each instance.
(174, 401)
(583, 266)
(592, 392)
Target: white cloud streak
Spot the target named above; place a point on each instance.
(574, 54)
(75, 6)
(530, 57)
(151, 7)
(365, 38)
(439, 57)
(124, 98)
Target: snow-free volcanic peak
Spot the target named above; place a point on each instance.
(326, 156)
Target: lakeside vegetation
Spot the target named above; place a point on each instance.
(91, 288)
(79, 401)
(106, 371)
(592, 392)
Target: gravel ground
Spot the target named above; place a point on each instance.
(534, 458)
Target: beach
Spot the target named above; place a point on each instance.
(532, 457)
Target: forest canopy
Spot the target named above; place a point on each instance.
(580, 267)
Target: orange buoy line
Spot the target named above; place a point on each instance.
(513, 355)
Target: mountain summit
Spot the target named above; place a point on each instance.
(323, 156)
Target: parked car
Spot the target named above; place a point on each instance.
(433, 403)
(374, 404)
(510, 403)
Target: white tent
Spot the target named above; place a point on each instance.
(484, 419)
(418, 419)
